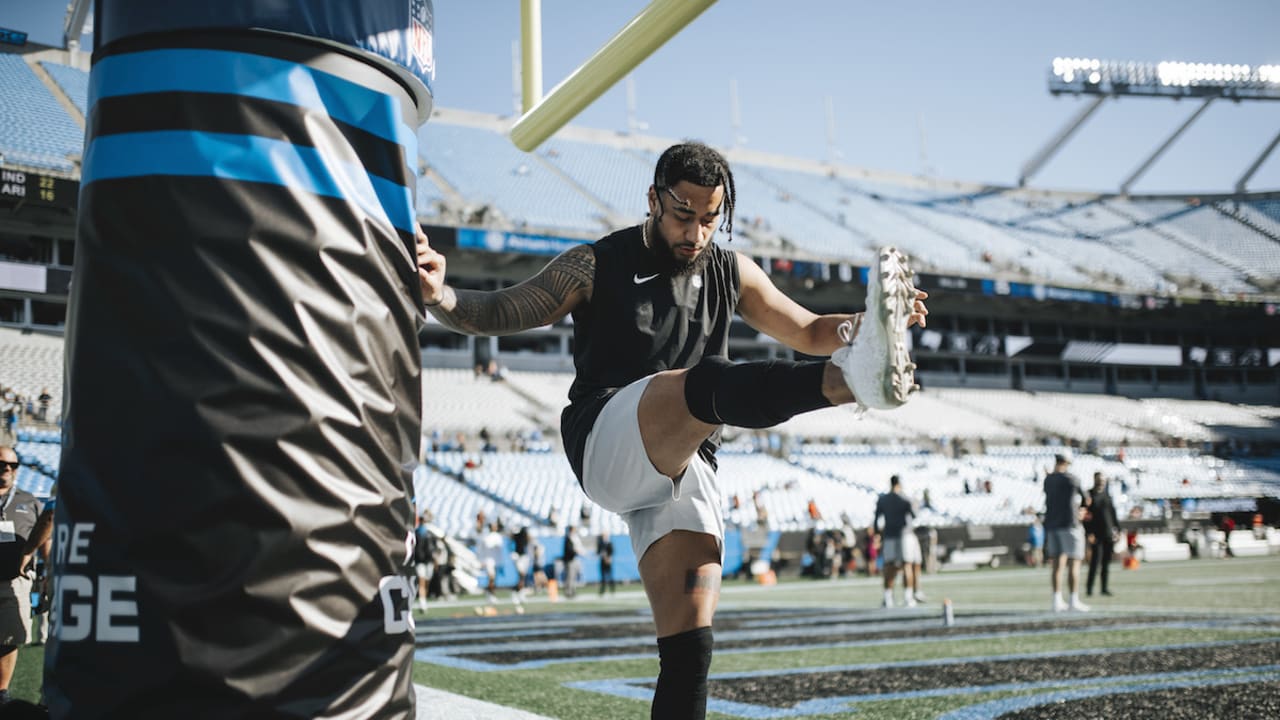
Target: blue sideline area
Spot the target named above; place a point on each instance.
(625, 566)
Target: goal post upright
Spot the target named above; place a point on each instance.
(657, 23)
(530, 53)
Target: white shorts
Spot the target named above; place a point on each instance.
(618, 476)
(522, 564)
(904, 548)
(1064, 541)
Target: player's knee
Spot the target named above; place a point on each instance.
(700, 384)
(691, 650)
(753, 394)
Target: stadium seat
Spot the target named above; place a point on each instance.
(34, 129)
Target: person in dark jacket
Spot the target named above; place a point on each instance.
(1103, 529)
(604, 548)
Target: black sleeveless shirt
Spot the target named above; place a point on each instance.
(639, 322)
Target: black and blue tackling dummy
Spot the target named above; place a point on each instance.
(244, 394)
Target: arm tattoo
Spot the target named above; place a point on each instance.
(695, 582)
(537, 301)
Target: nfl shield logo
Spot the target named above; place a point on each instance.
(421, 44)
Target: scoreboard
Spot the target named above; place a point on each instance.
(13, 37)
(19, 186)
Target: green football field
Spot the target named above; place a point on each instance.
(1199, 635)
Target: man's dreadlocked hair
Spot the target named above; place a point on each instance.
(700, 165)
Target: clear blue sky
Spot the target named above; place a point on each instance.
(972, 74)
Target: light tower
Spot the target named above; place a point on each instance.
(1103, 79)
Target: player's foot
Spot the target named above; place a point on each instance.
(1059, 605)
(1107, 593)
(911, 600)
(887, 600)
(875, 361)
(920, 597)
(1077, 606)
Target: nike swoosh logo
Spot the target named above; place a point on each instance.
(641, 280)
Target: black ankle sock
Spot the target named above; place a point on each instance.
(753, 394)
(685, 659)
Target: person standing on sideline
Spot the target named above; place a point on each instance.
(37, 556)
(538, 556)
(42, 414)
(914, 568)
(572, 564)
(1228, 527)
(1103, 528)
(1035, 541)
(1065, 502)
(9, 410)
(520, 556)
(493, 552)
(424, 549)
(652, 307)
(19, 510)
(872, 551)
(894, 515)
(604, 548)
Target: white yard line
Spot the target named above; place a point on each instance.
(434, 703)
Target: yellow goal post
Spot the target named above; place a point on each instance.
(657, 23)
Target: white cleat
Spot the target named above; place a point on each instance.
(1077, 606)
(1059, 605)
(875, 361)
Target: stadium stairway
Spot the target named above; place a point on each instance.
(460, 475)
(610, 215)
(49, 74)
(1251, 217)
(1160, 225)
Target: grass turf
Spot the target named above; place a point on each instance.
(1240, 588)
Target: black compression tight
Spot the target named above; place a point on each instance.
(753, 394)
(684, 659)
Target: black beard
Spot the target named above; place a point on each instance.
(668, 263)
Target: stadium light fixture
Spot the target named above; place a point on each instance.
(1104, 79)
(1092, 76)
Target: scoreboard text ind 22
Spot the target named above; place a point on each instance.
(37, 189)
